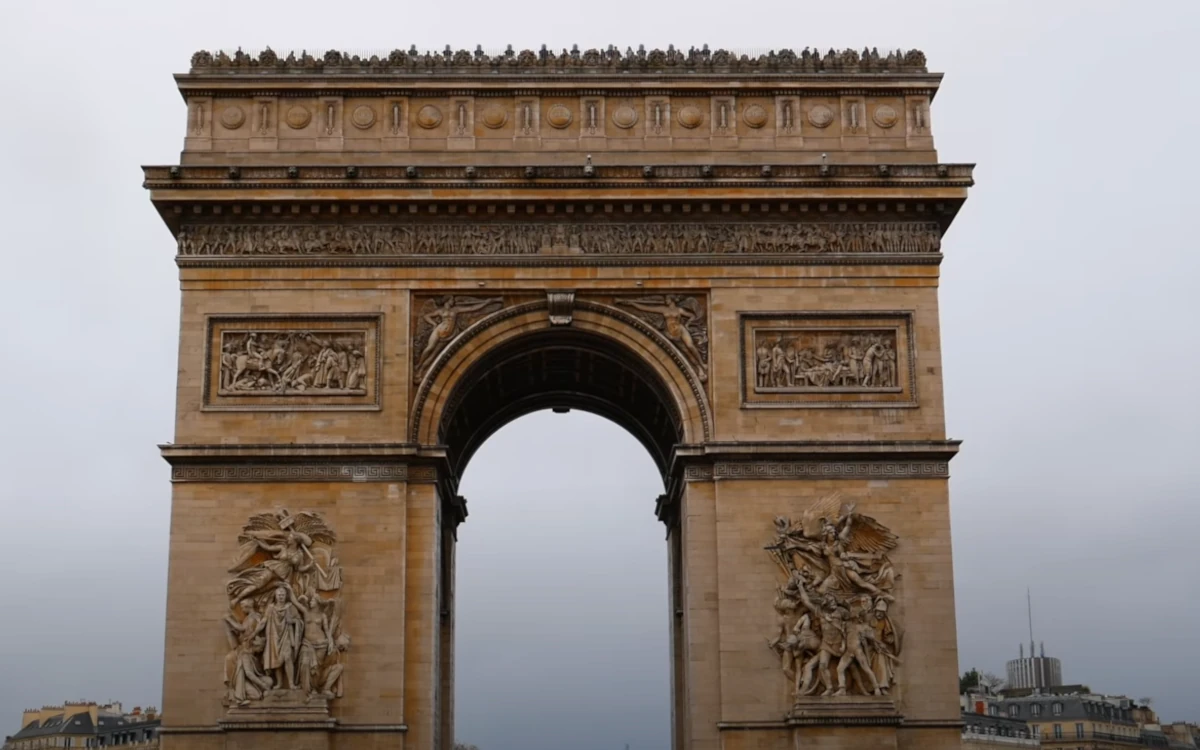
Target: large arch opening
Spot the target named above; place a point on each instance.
(561, 623)
(495, 391)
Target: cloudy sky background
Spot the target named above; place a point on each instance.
(1069, 311)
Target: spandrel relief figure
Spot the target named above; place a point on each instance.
(442, 319)
(293, 363)
(835, 635)
(822, 360)
(682, 320)
(285, 621)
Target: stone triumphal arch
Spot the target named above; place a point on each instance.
(383, 260)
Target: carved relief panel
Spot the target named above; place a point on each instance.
(440, 319)
(681, 318)
(284, 623)
(836, 628)
(823, 359)
(292, 363)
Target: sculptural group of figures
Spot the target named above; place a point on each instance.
(284, 626)
(870, 59)
(293, 362)
(835, 632)
(468, 238)
(815, 361)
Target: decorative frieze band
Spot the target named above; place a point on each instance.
(331, 472)
(818, 470)
(499, 239)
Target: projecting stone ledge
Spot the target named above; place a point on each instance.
(850, 710)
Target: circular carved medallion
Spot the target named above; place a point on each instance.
(362, 117)
(690, 116)
(494, 117)
(885, 116)
(233, 117)
(820, 116)
(297, 117)
(559, 116)
(429, 117)
(625, 117)
(755, 116)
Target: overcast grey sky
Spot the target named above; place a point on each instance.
(1069, 311)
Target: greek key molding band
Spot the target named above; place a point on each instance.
(490, 239)
(877, 459)
(299, 473)
(818, 470)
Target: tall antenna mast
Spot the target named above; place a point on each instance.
(1029, 604)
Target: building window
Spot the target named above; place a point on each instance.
(1014, 710)
(1035, 709)
(1079, 731)
(1056, 708)
(993, 711)
(1058, 731)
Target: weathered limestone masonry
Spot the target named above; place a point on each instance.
(384, 260)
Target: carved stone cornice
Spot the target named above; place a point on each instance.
(375, 462)
(283, 472)
(690, 176)
(815, 460)
(654, 63)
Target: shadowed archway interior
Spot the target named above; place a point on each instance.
(560, 369)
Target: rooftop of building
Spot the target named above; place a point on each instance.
(84, 718)
(1002, 725)
(1067, 707)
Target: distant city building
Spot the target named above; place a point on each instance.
(1034, 672)
(1083, 720)
(85, 724)
(984, 727)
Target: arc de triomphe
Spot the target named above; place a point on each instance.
(383, 260)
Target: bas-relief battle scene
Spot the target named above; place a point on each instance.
(293, 362)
